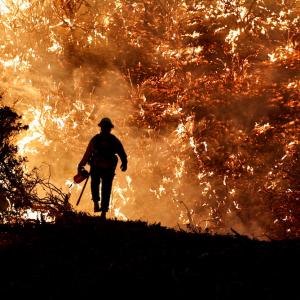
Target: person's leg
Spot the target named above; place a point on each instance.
(95, 182)
(107, 180)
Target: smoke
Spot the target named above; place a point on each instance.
(203, 114)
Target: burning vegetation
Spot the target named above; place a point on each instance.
(205, 95)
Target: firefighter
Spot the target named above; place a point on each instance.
(101, 155)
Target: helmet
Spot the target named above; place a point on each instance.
(106, 122)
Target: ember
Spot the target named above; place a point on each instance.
(205, 95)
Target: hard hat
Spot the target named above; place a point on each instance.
(106, 122)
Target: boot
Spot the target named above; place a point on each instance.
(103, 215)
(96, 207)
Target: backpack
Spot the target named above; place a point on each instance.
(104, 152)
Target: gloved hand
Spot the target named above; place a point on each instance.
(123, 167)
(80, 169)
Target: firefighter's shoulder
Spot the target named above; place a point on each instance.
(115, 139)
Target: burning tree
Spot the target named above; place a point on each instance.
(209, 91)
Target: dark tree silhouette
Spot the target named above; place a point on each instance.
(18, 189)
(15, 186)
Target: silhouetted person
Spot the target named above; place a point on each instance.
(101, 155)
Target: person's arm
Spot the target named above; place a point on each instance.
(123, 156)
(86, 156)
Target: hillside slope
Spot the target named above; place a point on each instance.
(81, 256)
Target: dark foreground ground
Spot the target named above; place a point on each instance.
(83, 258)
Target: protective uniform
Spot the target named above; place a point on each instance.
(101, 154)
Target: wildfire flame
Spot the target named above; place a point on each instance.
(204, 95)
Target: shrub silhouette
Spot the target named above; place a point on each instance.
(15, 186)
(18, 189)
